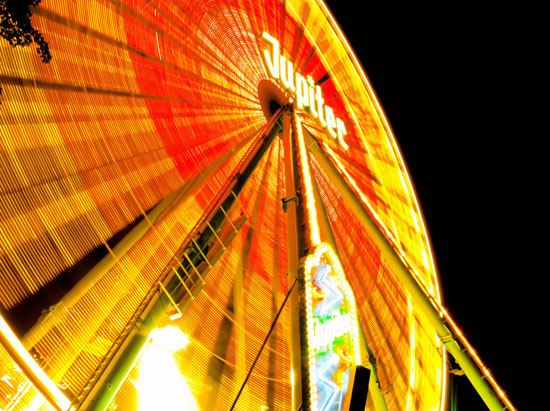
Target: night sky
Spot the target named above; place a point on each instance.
(444, 78)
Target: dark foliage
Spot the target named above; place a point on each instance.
(15, 26)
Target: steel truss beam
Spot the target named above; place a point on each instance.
(326, 233)
(182, 281)
(294, 240)
(420, 298)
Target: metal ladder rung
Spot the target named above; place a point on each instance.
(170, 298)
(214, 231)
(194, 268)
(200, 251)
(183, 283)
(228, 219)
(185, 271)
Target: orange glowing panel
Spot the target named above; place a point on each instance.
(113, 151)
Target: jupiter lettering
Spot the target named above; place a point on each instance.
(308, 95)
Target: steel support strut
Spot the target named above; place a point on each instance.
(107, 387)
(38, 378)
(45, 324)
(326, 233)
(290, 205)
(419, 296)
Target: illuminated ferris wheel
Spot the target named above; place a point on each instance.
(204, 206)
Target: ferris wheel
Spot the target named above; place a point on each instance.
(196, 196)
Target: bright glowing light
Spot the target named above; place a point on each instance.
(412, 365)
(32, 370)
(333, 296)
(161, 386)
(315, 234)
(325, 333)
(175, 316)
(462, 338)
(328, 389)
(308, 95)
(389, 235)
(169, 338)
(332, 330)
(434, 297)
(443, 379)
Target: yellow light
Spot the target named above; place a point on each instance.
(427, 290)
(319, 294)
(346, 359)
(175, 316)
(161, 386)
(358, 69)
(14, 347)
(389, 235)
(443, 371)
(462, 338)
(310, 262)
(306, 176)
(169, 338)
(412, 365)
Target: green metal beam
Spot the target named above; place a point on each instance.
(375, 388)
(420, 299)
(28, 367)
(290, 205)
(272, 364)
(234, 308)
(45, 324)
(102, 395)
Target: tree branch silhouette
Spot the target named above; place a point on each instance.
(16, 27)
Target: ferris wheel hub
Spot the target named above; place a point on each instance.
(271, 98)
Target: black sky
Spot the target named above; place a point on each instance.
(446, 79)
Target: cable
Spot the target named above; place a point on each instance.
(263, 345)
